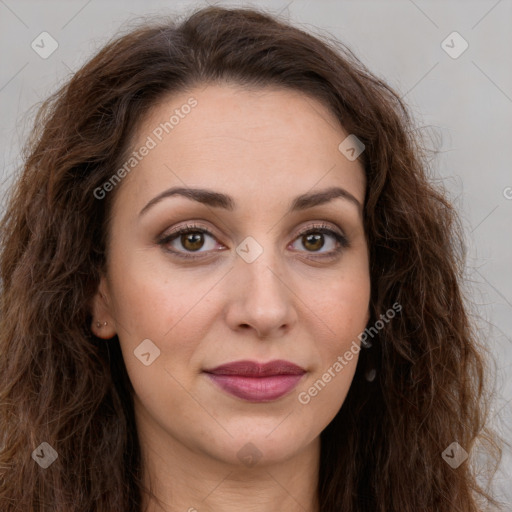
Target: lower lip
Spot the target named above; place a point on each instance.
(256, 389)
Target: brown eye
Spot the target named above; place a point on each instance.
(188, 240)
(313, 242)
(192, 241)
(316, 238)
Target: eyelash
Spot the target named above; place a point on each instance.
(343, 243)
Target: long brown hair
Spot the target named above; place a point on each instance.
(61, 385)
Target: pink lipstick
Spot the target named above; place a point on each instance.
(257, 382)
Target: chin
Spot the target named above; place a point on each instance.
(261, 443)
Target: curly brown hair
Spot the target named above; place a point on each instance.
(61, 384)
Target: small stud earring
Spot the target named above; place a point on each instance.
(99, 325)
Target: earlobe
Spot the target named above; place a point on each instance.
(103, 323)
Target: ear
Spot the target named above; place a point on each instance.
(102, 312)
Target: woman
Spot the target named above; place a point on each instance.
(228, 282)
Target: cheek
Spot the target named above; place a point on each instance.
(150, 299)
(172, 311)
(344, 309)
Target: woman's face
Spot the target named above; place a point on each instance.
(252, 287)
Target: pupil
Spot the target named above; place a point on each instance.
(316, 238)
(193, 238)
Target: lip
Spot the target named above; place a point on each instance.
(257, 382)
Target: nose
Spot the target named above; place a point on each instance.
(261, 297)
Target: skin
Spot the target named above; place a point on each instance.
(263, 148)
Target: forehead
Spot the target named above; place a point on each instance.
(269, 143)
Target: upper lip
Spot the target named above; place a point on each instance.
(254, 369)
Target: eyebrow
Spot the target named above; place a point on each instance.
(219, 200)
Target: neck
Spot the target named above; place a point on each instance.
(180, 479)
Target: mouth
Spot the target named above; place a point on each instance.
(257, 382)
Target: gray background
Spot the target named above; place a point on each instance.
(466, 102)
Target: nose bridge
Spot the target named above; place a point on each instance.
(258, 265)
(262, 295)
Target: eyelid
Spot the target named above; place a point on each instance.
(165, 239)
(335, 232)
